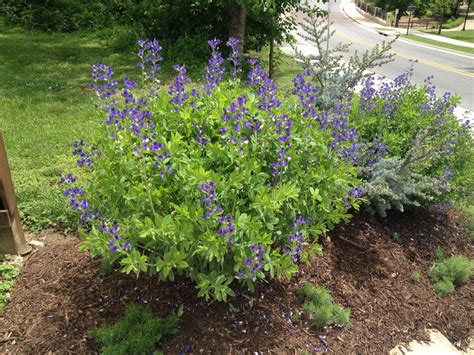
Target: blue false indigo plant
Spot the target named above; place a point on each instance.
(225, 184)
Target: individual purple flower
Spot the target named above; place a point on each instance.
(214, 71)
(356, 192)
(112, 245)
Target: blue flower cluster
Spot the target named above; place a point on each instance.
(253, 264)
(85, 157)
(376, 152)
(214, 71)
(265, 87)
(297, 239)
(102, 80)
(150, 58)
(176, 88)
(283, 125)
(227, 228)
(234, 56)
(200, 138)
(208, 196)
(344, 137)
(306, 92)
(235, 115)
(77, 201)
(112, 229)
(356, 192)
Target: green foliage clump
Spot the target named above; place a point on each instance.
(8, 275)
(138, 332)
(415, 277)
(447, 273)
(225, 184)
(320, 308)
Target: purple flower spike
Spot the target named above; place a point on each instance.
(234, 56)
(148, 53)
(215, 68)
(176, 88)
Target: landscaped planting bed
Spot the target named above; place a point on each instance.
(61, 296)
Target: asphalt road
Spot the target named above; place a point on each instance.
(452, 72)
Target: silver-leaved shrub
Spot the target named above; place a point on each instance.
(225, 183)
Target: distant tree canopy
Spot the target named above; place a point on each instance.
(255, 22)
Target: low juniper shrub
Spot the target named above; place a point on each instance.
(139, 331)
(448, 273)
(320, 308)
(227, 183)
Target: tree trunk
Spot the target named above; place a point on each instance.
(238, 15)
(271, 64)
(456, 8)
(398, 17)
(440, 23)
(467, 14)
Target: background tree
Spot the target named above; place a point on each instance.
(402, 5)
(439, 9)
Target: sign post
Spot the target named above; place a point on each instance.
(12, 239)
(411, 11)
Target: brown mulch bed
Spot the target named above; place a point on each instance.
(61, 295)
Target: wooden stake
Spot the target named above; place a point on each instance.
(12, 239)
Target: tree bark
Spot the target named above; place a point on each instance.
(238, 16)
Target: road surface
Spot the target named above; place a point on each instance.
(452, 72)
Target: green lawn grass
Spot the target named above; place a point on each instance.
(452, 23)
(45, 104)
(439, 44)
(466, 36)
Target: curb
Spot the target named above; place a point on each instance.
(360, 23)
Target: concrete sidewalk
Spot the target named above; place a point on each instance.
(366, 20)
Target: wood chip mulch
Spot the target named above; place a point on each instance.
(61, 296)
